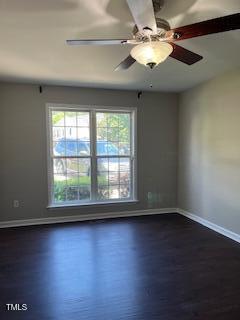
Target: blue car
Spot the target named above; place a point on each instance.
(71, 148)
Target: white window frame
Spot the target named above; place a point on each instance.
(93, 156)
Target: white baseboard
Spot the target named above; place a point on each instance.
(227, 233)
(84, 217)
(96, 216)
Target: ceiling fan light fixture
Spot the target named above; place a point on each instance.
(151, 53)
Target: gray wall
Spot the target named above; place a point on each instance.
(209, 151)
(23, 158)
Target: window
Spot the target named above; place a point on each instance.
(91, 155)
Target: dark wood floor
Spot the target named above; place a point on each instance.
(142, 268)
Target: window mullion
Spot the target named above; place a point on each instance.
(93, 136)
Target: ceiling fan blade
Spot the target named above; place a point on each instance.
(100, 42)
(184, 55)
(226, 23)
(143, 14)
(125, 64)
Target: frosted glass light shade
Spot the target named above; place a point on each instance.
(151, 53)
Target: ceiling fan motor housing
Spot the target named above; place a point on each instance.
(147, 34)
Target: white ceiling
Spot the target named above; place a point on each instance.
(33, 49)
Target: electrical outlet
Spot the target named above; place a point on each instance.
(15, 203)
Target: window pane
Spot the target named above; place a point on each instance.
(113, 120)
(85, 179)
(59, 193)
(113, 177)
(103, 193)
(124, 134)
(102, 178)
(84, 192)
(71, 148)
(84, 166)
(124, 149)
(114, 192)
(124, 164)
(58, 118)
(101, 119)
(59, 148)
(72, 165)
(72, 179)
(70, 119)
(83, 148)
(113, 164)
(59, 166)
(58, 133)
(78, 171)
(72, 193)
(83, 134)
(124, 191)
(71, 133)
(124, 177)
(112, 134)
(124, 120)
(102, 164)
(102, 133)
(83, 119)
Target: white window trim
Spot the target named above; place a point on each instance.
(133, 111)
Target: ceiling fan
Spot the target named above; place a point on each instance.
(154, 40)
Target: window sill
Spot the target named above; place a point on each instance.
(89, 204)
